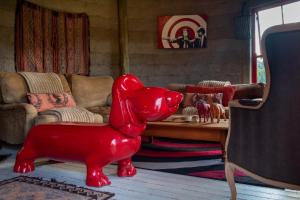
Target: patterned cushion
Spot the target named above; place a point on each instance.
(228, 92)
(213, 83)
(216, 98)
(191, 98)
(43, 101)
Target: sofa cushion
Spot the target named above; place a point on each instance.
(65, 83)
(109, 100)
(14, 87)
(179, 87)
(91, 91)
(187, 100)
(102, 110)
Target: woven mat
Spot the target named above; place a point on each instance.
(26, 188)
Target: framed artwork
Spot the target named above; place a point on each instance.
(182, 31)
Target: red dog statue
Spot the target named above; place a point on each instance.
(97, 145)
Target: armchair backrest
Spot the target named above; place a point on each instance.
(281, 51)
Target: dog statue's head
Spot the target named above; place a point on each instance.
(133, 104)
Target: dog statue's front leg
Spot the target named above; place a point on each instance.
(25, 160)
(126, 168)
(95, 176)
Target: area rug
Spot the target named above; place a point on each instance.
(4, 156)
(28, 188)
(193, 158)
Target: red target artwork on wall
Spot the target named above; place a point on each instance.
(182, 31)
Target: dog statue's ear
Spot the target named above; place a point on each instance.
(121, 116)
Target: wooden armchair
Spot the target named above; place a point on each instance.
(264, 135)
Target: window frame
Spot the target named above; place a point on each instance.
(254, 17)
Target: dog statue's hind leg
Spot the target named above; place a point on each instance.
(126, 168)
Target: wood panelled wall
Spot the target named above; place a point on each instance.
(226, 58)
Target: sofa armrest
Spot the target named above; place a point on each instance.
(15, 121)
(246, 103)
(109, 100)
(249, 91)
(28, 108)
(250, 102)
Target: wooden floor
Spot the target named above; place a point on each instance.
(152, 185)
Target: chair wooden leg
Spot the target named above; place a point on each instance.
(229, 172)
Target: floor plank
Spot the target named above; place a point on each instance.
(151, 185)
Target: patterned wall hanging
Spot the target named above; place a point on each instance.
(51, 41)
(182, 31)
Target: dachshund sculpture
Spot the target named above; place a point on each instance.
(97, 145)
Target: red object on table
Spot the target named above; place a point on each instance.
(97, 145)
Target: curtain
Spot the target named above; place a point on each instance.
(51, 41)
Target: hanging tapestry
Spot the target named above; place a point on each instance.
(51, 41)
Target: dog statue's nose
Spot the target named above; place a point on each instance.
(173, 98)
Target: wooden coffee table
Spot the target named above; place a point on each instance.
(215, 132)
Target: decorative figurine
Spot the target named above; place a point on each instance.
(97, 145)
(216, 110)
(203, 110)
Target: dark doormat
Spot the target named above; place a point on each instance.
(26, 188)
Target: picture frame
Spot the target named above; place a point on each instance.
(182, 31)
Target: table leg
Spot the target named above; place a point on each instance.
(149, 139)
(222, 142)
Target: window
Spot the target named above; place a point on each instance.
(264, 18)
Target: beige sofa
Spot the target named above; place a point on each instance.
(17, 116)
